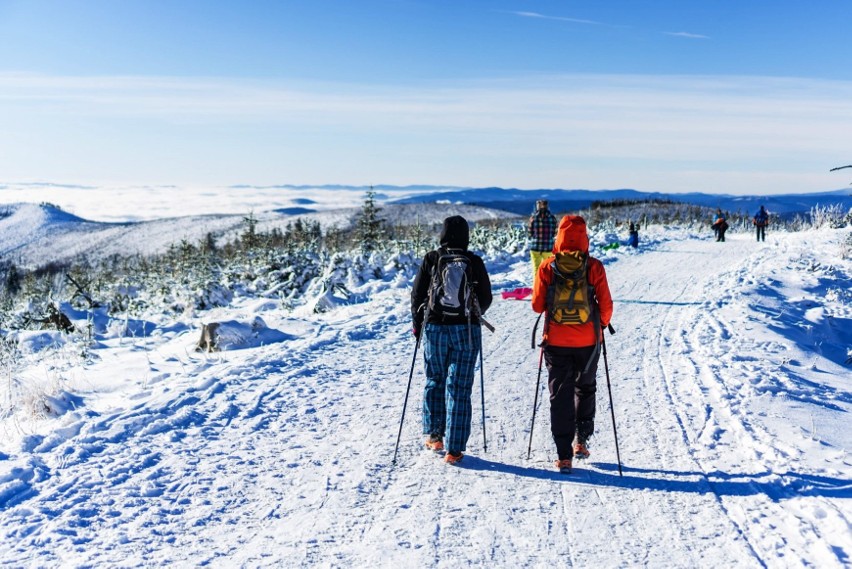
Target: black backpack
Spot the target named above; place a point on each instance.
(450, 291)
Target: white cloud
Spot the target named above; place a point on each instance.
(557, 18)
(687, 35)
(526, 132)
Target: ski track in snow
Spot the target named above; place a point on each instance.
(281, 455)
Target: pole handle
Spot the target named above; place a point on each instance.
(487, 324)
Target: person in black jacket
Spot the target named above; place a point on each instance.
(761, 220)
(451, 341)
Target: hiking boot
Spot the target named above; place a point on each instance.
(435, 442)
(564, 466)
(453, 457)
(581, 451)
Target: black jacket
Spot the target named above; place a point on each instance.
(454, 235)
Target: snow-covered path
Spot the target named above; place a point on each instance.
(280, 455)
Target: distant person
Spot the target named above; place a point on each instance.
(633, 240)
(450, 292)
(573, 329)
(720, 225)
(542, 232)
(761, 220)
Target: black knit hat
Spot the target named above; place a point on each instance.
(455, 233)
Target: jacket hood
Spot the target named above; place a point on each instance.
(455, 233)
(572, 235)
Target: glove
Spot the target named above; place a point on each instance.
(416, 332)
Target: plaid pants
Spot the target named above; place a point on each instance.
(450, 363)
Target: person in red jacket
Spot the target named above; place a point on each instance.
(571, 351)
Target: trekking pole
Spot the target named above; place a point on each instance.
(482, 390)
(535, 403)
(478, 312)
(609, 389)
(405, 403)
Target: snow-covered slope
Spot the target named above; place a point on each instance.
(34, 235)
(731, 399)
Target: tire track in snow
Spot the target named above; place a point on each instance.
(665, 354)
(730, 425)
(659, 416)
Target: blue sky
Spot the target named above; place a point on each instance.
(723, 97)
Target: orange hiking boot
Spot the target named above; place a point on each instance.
(581, 451)
(435, 442)
(453, 458)
(564, 466)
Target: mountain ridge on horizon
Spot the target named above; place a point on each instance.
(453, 188)
(521, 201)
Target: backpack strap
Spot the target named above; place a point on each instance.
(548, 305)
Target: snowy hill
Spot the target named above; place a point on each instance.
(134, 221)
(731, 392)
(35, 235)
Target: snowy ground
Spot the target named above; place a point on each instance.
(731, 390)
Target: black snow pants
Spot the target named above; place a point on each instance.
(572, 395)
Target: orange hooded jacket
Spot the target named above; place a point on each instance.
(572, 236)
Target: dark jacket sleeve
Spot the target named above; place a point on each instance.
(597, 278)
(420, 290)
(483, 284)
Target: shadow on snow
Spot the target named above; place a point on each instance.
(663, 302)
(775, 485)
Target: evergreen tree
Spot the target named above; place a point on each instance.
(13, 280)
(370, 228)
(249, 238)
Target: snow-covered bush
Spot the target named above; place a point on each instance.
(304, 264)
(614, 215)
(834, 216)
(498, 238)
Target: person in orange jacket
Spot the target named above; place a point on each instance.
(571, 351)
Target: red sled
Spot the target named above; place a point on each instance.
(519, 293)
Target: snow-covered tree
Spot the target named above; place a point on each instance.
(370, 228)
